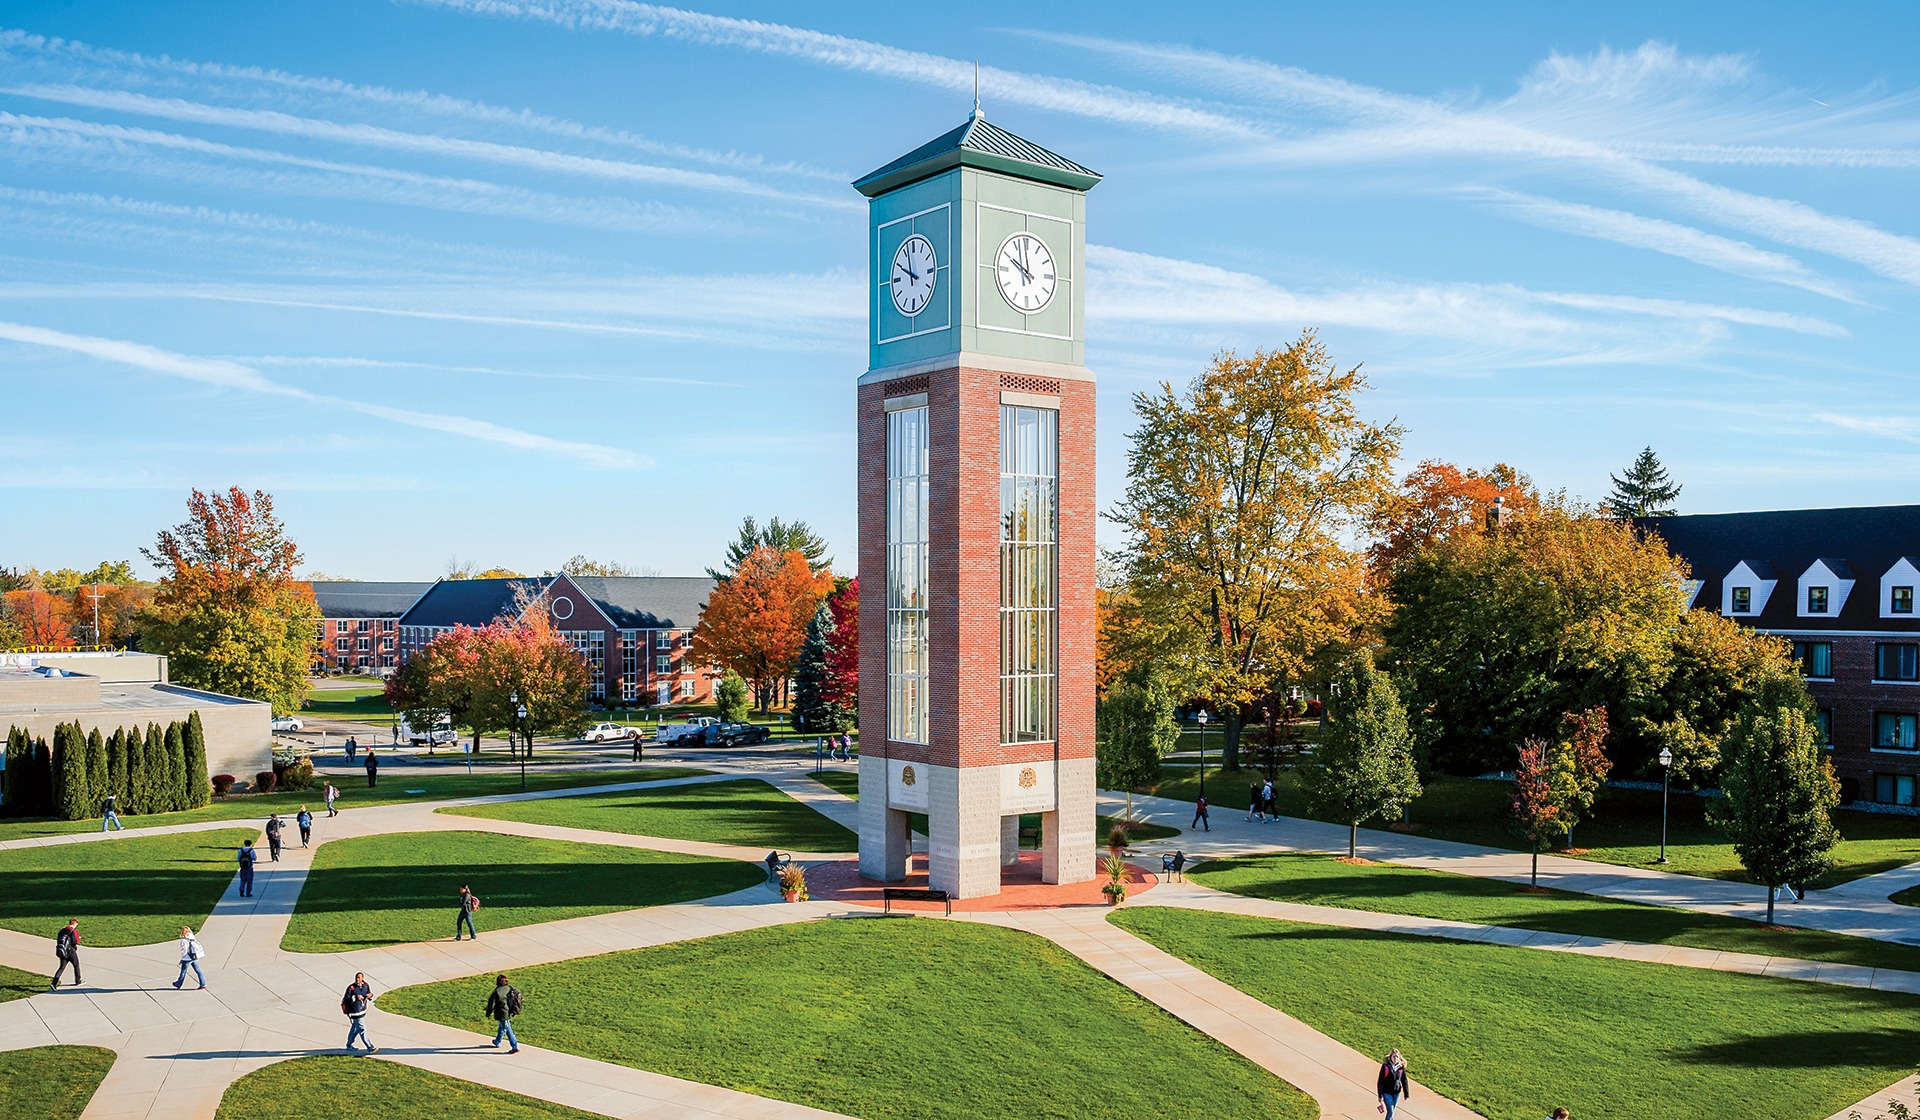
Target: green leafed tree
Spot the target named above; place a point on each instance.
(1134, 729)
(1644, 491)
(781, 536)
(199, 784)
(732, 697)
(1363, 768)
(1780, 796)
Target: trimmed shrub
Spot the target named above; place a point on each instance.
(72, 800)
(19, 793)
(264, 781)
(294, 775)
(198, 788)
(117, 765)
(174, 792)
(97, 767)
(222, 784)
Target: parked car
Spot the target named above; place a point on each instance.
(285, 723)
(692, 730)
(736, 734)
(601, 732)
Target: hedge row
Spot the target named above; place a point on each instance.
(155, 771)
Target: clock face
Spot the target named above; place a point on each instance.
(913, 274)
(1023, 268)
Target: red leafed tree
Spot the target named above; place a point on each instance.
(1584, 737)
(43, 619)
(755, 621)
(842, 683)
(1544, 787)
(1437, 501)
(534, 667)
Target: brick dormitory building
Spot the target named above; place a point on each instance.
(359, 624)
(1839, 584)
(636, 632)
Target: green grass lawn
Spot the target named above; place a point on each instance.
(338, 1087)
(1513, 1033)
(134, 890)
(15, 984)
(847, 782)
(746, 812)
(369, 703)
(1626, 828)
(900, 1018)
(1384, 887)
(387, 890)
(51, 1082)
(440, 785)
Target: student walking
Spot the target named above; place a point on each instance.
(502, 1005)
(190, 954)
(66, 950)
(246, 856)
(1266, 801)
(352, 745)
(1200, 813)
(274, 826)
(332, 795)
(1254, 803)
(305, 821)
(633, 738)
(1392, 1082)
(110, 815)
(373, 769)
(469, 902)
(354, 1004)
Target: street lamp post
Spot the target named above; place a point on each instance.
(526, 744)
(1202, 717)
(1666, 761)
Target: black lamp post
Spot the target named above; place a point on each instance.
(1202, 717)
(526, 744)
(1666, 761)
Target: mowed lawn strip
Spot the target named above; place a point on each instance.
(908, 1018)
(1625, 828)
(404, 887)
(126, 890)
(846, 783)
(440, 784)
(1513, 1032)
(51, 1082)
(1325, 881)
(747, 812)
(338, 1087)
(15, 984)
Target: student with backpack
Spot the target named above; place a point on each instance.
(190, 954)
(332, 795)
(274, 827)
(469, 902)
(354, 1004)
(1392, 1082)
(66, 950)
(246, 857)
(1253, 803)
(110, 815)
(502, 1005)
(305, 821)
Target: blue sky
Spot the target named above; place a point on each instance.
(509, 280)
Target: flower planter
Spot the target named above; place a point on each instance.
(792, 896)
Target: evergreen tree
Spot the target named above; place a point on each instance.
(1644, 491)
(1134, 729)
(174, 795)
(779, 536)
(732, 698)
(1363, 767)
(97, 781)
(1780, 795)
(814, 710)
(117, 765)
(19, 775)
(42, 779)
(152, 775)
(72, 800)
(199, 785)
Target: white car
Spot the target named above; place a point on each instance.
(601, 732)
(286, 723)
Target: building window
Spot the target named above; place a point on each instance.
(1823, 727)
(663, 640)
(663, 664)
(364, 626)
(906, 597)
(340, 645)
(1815, 658)
(320, 632)
(1816, 600)
(1897, 661)
(386, 661)
(1893, 731)
(1901, 601)
(686, 639)
(1029, 519)
(1893, 789)
(366, 645)
(686, 690)
(629, 664)
(1743, 600)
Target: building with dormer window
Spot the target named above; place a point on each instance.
(1839, 584)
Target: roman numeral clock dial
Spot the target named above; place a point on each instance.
(1023, 269)
(912, 278)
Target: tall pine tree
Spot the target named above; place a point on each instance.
(97, 782)
(1363, 767)
(72, 800)
(117, 766)
(814, 710)
(199, 786)
(1644, 491)
(152, 775)
(175, 796)
(19, 777)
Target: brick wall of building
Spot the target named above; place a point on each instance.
(1854, 698)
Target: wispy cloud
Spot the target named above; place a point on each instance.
(233, 375)
(305, 362)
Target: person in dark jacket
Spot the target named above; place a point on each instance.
(110, 814)
(1200, 813)
(373, 769)
(355, 1002)
(305, 821)
(66, 950)
(502, 1005)
(1392, 1082)
(274, 826)
(468, 904)
(246, 856)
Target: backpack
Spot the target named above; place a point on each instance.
(63, 943)
(473, 902)
(513, 1001)
(348, 1001)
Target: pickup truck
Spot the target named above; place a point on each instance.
(736, 734)
(694, 730)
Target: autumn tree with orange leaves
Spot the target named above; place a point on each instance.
(231, 614)
(40, 620)
(755, 621)
(1438, 501)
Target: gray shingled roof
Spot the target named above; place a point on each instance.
(647, 602)
(1860, 543)
(983, 144)
(467, 602)
(366, 599)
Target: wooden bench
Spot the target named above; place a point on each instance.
(913, 894)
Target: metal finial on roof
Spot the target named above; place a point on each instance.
(977, 114)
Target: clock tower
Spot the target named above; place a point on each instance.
(976, 420)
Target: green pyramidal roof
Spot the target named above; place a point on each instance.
(978, 143)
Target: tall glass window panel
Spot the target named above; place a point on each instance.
(907, 575)
(1029, 557)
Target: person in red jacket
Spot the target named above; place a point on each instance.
(1392, 1082)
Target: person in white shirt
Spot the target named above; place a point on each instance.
(190, 954)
